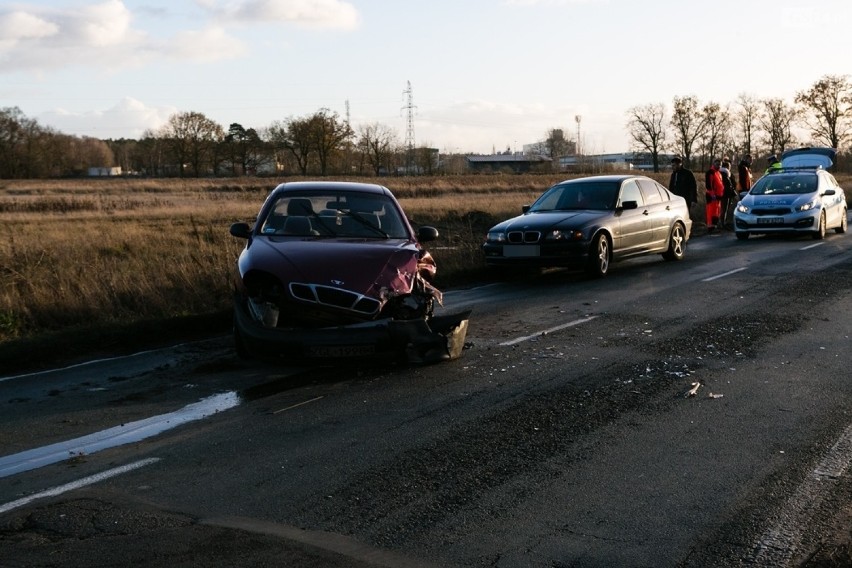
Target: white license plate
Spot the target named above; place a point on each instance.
(770, 221)
(340, 350)
(518, 251)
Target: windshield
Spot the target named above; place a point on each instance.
(571, 196)
(785, 184)
(330, 214)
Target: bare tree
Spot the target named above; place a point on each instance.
(377, 143)
(717, 126)
(746, 121)
(827, 106)
(193, 137)
(647, 131)
(777, 121)
(328, 134)
(689, 126)
(557, 145)
(293, 136)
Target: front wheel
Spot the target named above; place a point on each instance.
(599, 257)
(677, 243)
(820, 232)
(843, 224)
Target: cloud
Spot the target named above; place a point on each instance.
(334, 14)
(208, 45)
(129, 118)
(36, 39)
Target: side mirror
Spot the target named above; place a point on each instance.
(525, 208)
(629, 205)
(241, 230)
(426, 234)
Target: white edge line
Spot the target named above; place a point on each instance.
(728, 273)
(809, 247)
(546, 331)
(92, 479)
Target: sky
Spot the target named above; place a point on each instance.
(484, 75)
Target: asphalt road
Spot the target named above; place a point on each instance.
(564, 436)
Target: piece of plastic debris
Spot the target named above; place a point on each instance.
(693, 390)
(712, 395)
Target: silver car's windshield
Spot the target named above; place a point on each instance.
(334, 215)
(594, 195)
(785, 184)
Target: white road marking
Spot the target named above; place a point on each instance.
(781, 542)
(298, 404)
(53, 492)
(546, 331)
(116, 436)
(728, 273)
(809, 247)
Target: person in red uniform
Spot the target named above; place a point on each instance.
(714, 191)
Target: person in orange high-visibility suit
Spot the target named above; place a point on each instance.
(714, 191)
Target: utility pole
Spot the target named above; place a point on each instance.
(578, 119)
(409, 129)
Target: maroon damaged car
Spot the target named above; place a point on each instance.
(334, 270)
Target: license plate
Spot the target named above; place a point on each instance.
(340, 350)
(770, 221)
(517, 251)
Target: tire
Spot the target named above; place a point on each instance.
(843, 224)
(599, 257)
(820, 232)
(677, 243)
(742, 235)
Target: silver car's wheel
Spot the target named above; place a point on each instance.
(742, 235)
(820, 232)
(599, 256)
(677, 243)
(843, 223)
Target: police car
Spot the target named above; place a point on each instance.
(799, 197)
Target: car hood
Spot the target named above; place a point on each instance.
(777, 200)
(363, 266)
(551, 219)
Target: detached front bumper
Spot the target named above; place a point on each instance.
(441, 338)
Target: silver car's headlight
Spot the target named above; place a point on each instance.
(496, 237)
(742, 208)
(563, 235)
(808, 206)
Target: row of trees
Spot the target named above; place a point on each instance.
(190, 144)
(819, 116)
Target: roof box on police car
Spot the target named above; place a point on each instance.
(808, 158)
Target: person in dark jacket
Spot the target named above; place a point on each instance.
(682, 182)
(744, 170)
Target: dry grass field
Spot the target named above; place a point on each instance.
(112, 263)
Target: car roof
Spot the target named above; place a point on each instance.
(606, 178)
(332, 186)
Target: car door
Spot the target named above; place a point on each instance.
(634, 226)
(831, 204)
(659, 214)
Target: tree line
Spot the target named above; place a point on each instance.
(819, 116)
(190, 144)
(321, 143)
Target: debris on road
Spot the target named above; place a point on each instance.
(694, 390)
